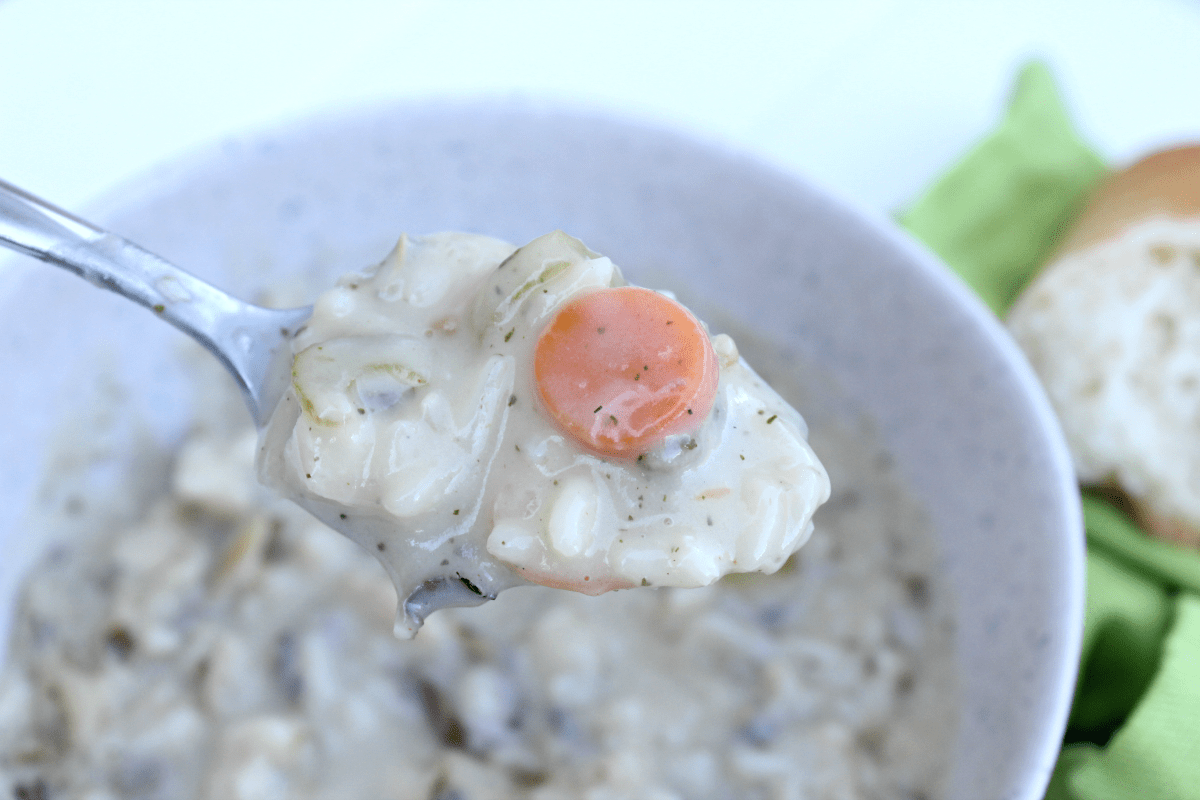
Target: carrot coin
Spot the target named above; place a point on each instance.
(621, 369)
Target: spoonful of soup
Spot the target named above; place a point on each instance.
(480, 416)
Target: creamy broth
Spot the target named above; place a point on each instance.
(415, 426)
(214, 642)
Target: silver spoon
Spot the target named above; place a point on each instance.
(251, 341)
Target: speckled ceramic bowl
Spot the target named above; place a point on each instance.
(907, 343)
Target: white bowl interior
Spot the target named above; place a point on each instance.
(907, 344)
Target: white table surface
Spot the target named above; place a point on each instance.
(870, 98)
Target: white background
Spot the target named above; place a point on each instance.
(871, 98)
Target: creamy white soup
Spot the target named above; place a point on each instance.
(212, 641)
(487, 416)
(188, 634)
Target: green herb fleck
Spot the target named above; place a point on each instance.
(469, 585)
(509, 335)
(772, 418)
(122, 643)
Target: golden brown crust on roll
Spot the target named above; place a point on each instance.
(1166, 183)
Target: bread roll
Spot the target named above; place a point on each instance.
(1112, 327)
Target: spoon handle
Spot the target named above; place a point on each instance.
(243, 336)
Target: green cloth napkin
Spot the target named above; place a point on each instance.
(1169, 565)
(1127, 617)
(1155, 755)
(1134, 730)
(995, 216)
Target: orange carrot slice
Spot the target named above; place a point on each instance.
(621, 369)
